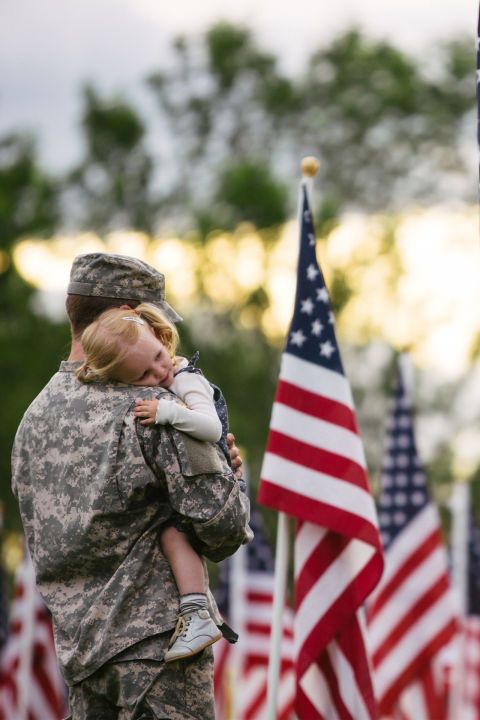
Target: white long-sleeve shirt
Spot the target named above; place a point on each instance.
(199, 419)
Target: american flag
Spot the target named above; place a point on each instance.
(245, 666)
(3, 591)
(412, 615)
(31, 687)
(470, 641)
(314, 469)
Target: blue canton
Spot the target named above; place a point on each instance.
(404, 491)
(312, 331)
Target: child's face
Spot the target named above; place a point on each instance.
(147, 362)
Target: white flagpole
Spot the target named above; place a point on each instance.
(310, 167)
(279, 589)
(460, 509)
(460, 506)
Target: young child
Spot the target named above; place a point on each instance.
(138, 347)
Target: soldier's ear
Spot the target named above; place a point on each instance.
(126, 307)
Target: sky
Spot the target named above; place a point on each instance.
(48, 49)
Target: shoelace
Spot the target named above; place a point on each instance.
(180, 628)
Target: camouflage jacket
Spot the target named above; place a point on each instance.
(94, 486)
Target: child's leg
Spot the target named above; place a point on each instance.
(195, 628)
(186, 564)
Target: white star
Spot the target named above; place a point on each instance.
(418, 478)
(401, 460)
(322, 294)
(417, 498)
(311, 239)
(307, 306)
(297, 338)
(331, 319)
(478, 76)
(312, 272)
(317, 327)
(326, 349)
(307, 215)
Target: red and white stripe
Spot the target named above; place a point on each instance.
(468, 669)
(426, 698)
(31, 687)
(411, 615)
(314, 468)
(241, 670)
(255, 650)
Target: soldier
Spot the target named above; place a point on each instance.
(94, 486)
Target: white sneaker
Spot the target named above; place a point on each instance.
(194, 631)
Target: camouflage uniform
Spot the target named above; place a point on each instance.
(94, 486)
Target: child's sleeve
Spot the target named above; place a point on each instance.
(199, 419)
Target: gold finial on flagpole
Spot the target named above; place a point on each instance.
(310, 166)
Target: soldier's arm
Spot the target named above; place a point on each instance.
(201, 487)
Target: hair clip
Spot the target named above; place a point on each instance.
(132, 318)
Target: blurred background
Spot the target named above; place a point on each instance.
(175, 134)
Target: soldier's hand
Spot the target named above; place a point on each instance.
(234, 453)
(147, 410)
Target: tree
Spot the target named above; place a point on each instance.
(387, 132)
(31, 345)
(113, 182)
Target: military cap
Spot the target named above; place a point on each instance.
(119, 276)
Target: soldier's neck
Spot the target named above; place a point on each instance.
(76, 351)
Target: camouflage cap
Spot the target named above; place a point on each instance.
(119, 276)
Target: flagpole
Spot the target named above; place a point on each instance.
(460, 513)
(279, 590)
(309, 167)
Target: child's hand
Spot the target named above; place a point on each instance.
(146, 409)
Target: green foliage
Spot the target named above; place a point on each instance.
(250, 193)
(28, 197)
(113, 183)
(31, 346)
(382, 128)
(232, 54)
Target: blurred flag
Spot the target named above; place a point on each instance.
(31, 687)
(411, 615)
(314, 469)
(3, 590)
(241, 670)
(470, 643)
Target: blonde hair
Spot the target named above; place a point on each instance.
(107, 340)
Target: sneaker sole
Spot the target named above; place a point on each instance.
(191, 654)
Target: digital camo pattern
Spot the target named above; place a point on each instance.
(119, 276)
(147, 689)
(94, 486)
